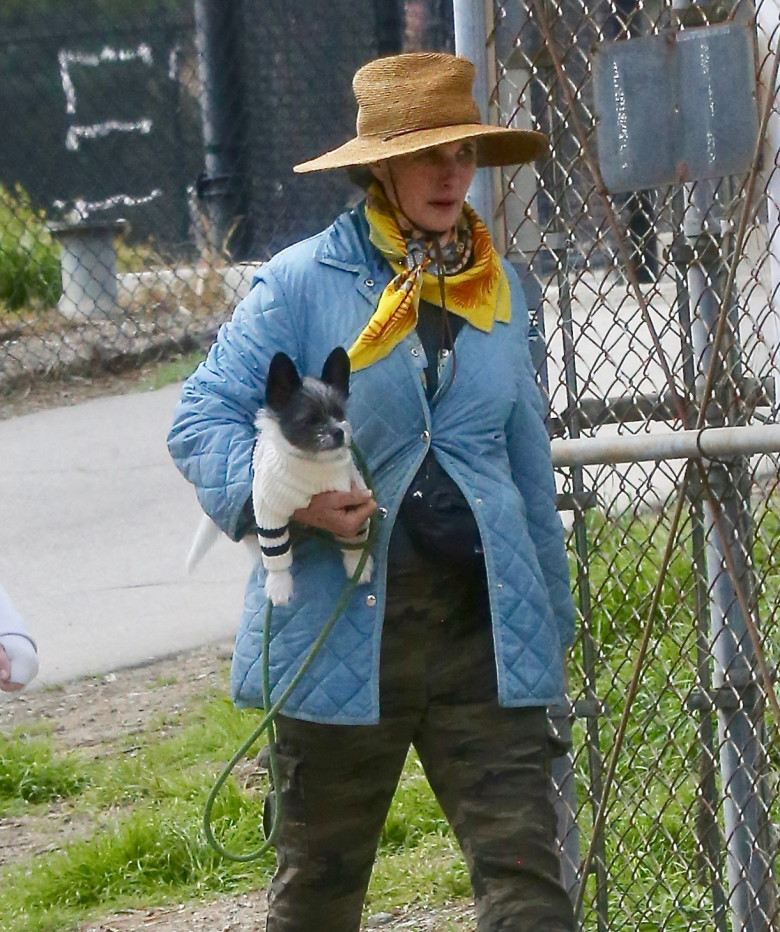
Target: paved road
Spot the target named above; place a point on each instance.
(95, 524)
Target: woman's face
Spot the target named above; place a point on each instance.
(429, 187)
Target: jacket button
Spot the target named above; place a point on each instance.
(370, 601)
(382, 512)
(478, 501)
(369, 283)
(425, 436)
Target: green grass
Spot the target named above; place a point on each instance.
(31, 771)
(170, 371)
(144, 842)
(650, 830)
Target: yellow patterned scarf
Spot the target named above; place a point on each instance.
(479, 293)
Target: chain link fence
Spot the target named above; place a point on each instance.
(650, 252)
(150, 164)
(649, 247)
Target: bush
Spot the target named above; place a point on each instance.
(29, 257)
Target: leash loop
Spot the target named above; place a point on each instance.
(267, 722)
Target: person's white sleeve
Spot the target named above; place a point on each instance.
(17, 642)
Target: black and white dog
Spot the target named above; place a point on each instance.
(302, 449)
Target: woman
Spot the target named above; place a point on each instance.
(456, 645)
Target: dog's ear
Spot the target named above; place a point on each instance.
(336, 370)
(283, 382)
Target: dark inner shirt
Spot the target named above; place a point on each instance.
(434, 338)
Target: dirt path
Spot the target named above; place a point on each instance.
(246, 913)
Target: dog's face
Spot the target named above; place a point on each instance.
(310, 412)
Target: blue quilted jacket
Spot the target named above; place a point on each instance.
(487, 432)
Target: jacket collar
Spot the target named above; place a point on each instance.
(345, 243)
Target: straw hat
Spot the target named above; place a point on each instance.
(418, 100)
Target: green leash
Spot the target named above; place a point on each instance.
(267, 722)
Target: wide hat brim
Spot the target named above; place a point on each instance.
(496, 145)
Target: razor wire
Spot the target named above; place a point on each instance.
(133, 216)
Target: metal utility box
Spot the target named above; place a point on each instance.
(677, 106)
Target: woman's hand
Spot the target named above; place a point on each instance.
(5, 672)
(341, 513)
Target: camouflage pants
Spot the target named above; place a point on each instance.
(488, 766)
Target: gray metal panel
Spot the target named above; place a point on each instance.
(717, 75)
(678, 106)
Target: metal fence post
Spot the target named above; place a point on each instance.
(710, 868)
(470, 19)
(735, 695)
(221, 184)
(768, 17)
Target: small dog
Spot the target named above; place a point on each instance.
(303, 448)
